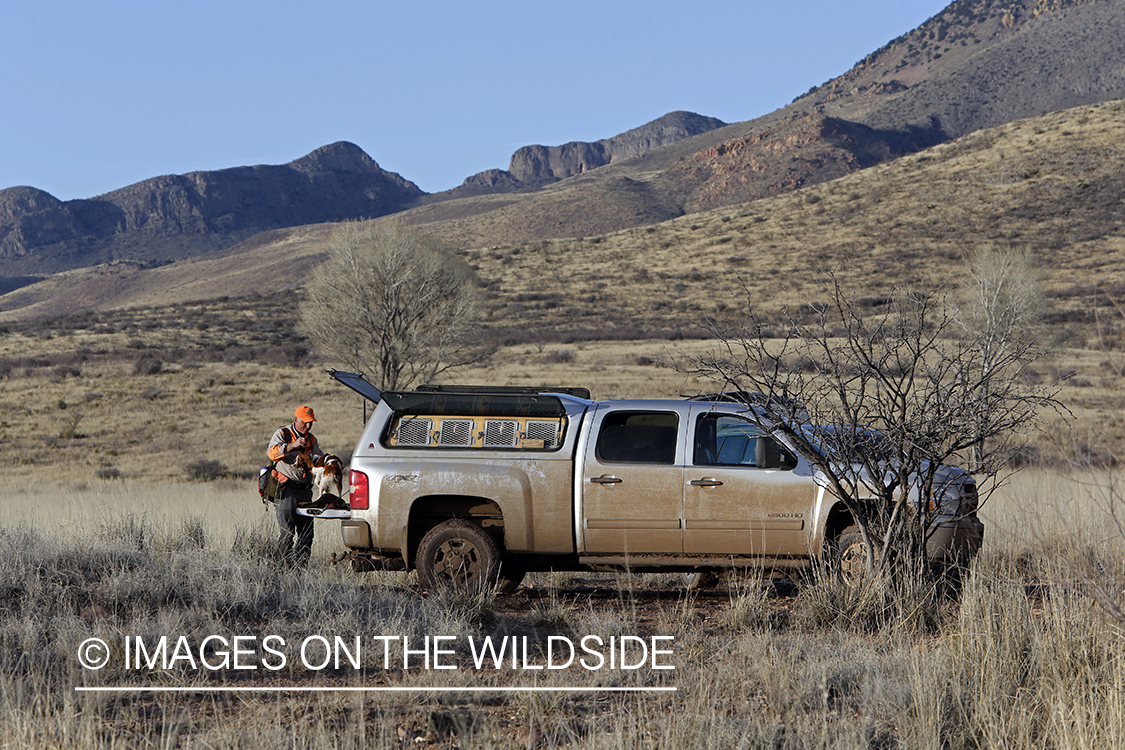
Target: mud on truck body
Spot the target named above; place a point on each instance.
(475, 486)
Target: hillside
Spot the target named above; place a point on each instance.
(1054, 184)
(601, 311)
(976, 64)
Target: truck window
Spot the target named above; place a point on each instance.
(634, 437)
(724, 440)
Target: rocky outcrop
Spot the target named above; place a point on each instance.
(17, 201)
(177, 216)
(534, 165)
(802, 151)
(488, 181)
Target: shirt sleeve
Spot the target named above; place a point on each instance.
(276, 449)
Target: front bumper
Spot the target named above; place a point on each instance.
(956, 542)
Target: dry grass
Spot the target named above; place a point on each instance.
(88, 407)
(1025, 661)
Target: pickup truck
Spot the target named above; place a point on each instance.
(474, 486)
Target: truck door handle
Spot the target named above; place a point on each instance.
(606, 479)
(706, 482)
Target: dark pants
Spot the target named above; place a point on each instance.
(293, 524)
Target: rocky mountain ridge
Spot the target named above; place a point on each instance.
(177, 216)
(174, 216)
(533, 165)
(975, 64)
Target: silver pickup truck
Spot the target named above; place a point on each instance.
(475, 486)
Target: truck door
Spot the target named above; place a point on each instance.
(632, 481)
(742, 494)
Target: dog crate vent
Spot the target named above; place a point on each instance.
(456, 432)
(414, 431)
(501, 433)
(548, 432)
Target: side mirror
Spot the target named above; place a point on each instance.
(770, 455)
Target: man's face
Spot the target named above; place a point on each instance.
(302, 426)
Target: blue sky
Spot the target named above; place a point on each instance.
(100, 96)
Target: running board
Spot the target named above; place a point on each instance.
(657, 563)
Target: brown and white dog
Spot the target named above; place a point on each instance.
(328, 478)
(327, 481)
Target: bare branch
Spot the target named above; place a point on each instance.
(882, 405)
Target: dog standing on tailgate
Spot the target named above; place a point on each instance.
(295, 450)
(327, 481)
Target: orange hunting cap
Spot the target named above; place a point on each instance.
(305, 414)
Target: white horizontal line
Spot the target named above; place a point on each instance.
(300, 689)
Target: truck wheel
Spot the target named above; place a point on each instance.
(851, 556)
(510, 577)
(695, 580)
(458, 554)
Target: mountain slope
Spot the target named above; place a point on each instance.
(1053, 184)
(177, 216)
(1054, 60)
(978, 63)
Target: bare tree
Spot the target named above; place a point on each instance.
(879, 404)
(1000, 309)
(391, 302)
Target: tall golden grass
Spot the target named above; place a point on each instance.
(1024, 659)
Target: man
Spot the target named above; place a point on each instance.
(295, 450)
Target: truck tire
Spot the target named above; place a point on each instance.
(694, 580)
(851, 556)
(457, 554)
(510, 577)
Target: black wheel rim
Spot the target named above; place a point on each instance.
(457, 561)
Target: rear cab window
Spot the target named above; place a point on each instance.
(638, 437)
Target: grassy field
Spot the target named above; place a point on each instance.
(1026, 660)
(86, 407)
(115, 532)
(110, 537)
